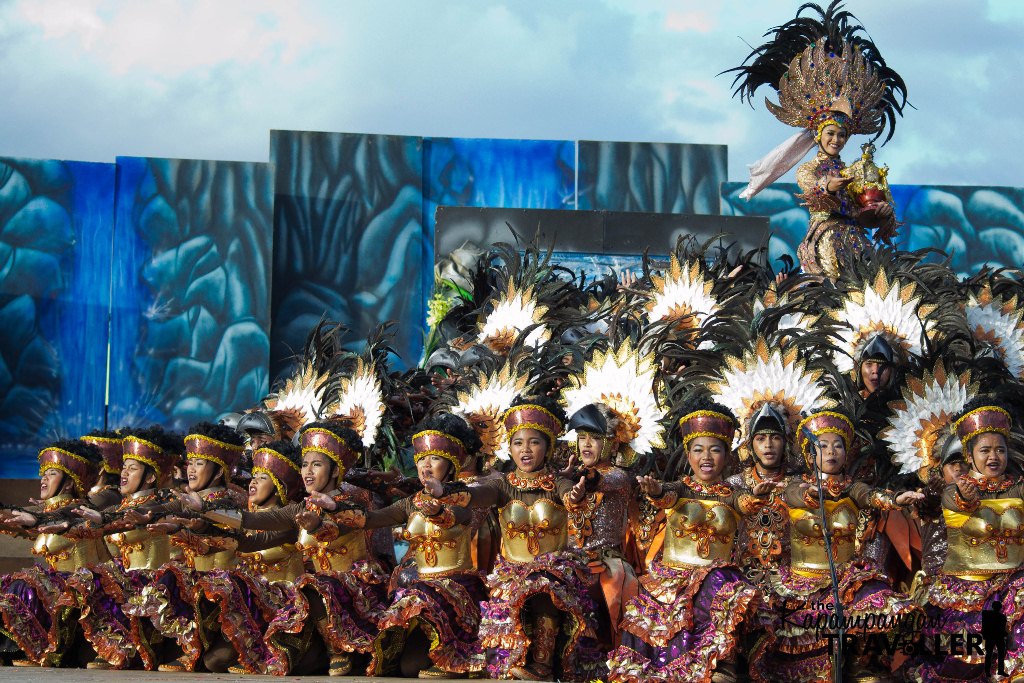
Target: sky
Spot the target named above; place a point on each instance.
(94, 79)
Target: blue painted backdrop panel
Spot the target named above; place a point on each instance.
(191, 313)
(348, 238)
(651, 176)
(975, 225)
(55, 239)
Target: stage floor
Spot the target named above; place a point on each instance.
(10, 674)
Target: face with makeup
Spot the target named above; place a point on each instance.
(988, 454)
(833, 139)
(529, 449)
(830, 455)
(591, 447)
(202, 474)
(51, 483)
(319, 473)
(135, 476)
(707, 456)
(432, 467)
(262, 490)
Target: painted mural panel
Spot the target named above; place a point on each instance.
(191, 285)
(975, 225)
(348, 237)
(651, 176)
(55, 239)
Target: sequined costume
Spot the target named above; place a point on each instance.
(984, 566)
(534, 561)
(834, 236)
(762, 539)
(440, 594)
(343, 596)
(693, 602)
(804, 590)
(30, 605)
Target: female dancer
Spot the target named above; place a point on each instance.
(805, 590)
(979, 594)
(685, 624)
(431, 626)
(538, 589)
(29, 600)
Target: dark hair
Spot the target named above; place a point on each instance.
(703, 402)
(456, 426)
(287, 449)
(107, 433)
(219, 432)
(171, 442)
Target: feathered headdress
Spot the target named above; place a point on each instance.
(623, 379)
(825, 70)
(357, 394)
(483, 403)
(921, 421)
(300, 397)
(997, 322)
(777, 376)
(889, 306)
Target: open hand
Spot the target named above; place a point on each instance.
(650, 486)
(968, 489)
(322, 501)
(909, 497)
(163, 528)
(433, 488)
(579, 491)
(762, 488)
(190, 499)
(88, 514)
(308, 520)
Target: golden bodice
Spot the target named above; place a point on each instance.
(989, 540)
(66, 555)
(140, 549)
(224, 559)
(438, 550)
(338, 555)
(531, 530)
(698, 532)
(807, 542)
(280, 563)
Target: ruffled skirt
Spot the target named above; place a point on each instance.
(566, 580)
(798, 648)
(683, 622)
(32, 618)
(956, 606)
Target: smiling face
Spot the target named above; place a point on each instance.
(135, 477)
(988, 454)
(262, 490)
(51, 481)
(833, 139)
(768, 448)
(432, 467)
(529, 449)
(591, 447)
(706, 456)
(875, 374)
(319, 473)
(202, 474)
(831, 453)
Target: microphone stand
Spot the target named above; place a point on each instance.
(827, 536)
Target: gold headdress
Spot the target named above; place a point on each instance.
(516, 310)
(622, 379)
(825, 70)
(683, 295)
(921, 420)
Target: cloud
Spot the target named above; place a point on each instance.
(93, 79)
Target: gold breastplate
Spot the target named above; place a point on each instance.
(280, 563)
(338, 555)
(139, 549)
(225, 559)
(698, 532)
(65, 555)
(807, 542)
(989, 540)
(531, 530)
(438, 550)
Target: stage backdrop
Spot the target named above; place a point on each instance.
(209, 274)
